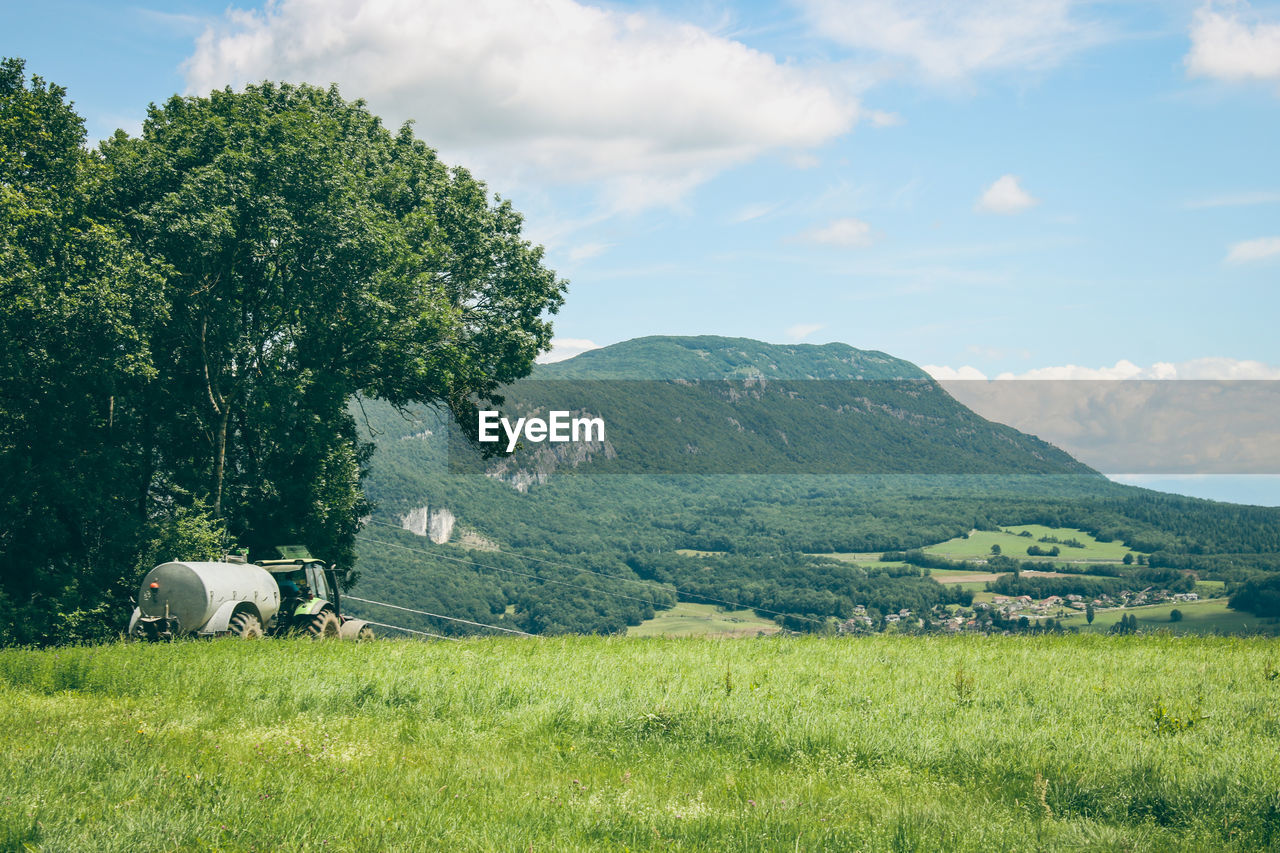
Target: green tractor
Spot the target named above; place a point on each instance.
(290, 593)
(310, 597)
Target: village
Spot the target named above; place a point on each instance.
(1006, 613)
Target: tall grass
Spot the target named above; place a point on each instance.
(877, 743)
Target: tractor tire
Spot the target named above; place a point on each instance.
(245, 625)
(324, 626)
(358, 630)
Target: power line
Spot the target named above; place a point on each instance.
(652, 584)
(438, 616)
(411, 630)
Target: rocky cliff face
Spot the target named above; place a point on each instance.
(537, 466)
(437, 525)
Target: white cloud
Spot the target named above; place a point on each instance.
(880, 118)
(1006, 195)
(753, 211)
(1123, 369)
(1244, 199)
(1198, 368)
(174, 22)
(564, 348)
(588, 250)
(849, 232)
(1253, 250)
(800, 331)
(1224, 368)
(944, 372)
(949, 40)
(1229, 42)
(553, 91)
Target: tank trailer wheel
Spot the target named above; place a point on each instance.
(324, 626)
(245, 625)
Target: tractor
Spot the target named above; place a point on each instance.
(291, 593)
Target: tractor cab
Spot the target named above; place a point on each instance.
(309, 591)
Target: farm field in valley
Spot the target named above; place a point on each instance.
(1198, 617)
(979, 543)
(869, 560)
(978, 547)
(706, 620)
(975, 579)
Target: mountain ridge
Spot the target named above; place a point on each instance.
(710, 404)
(718, 357)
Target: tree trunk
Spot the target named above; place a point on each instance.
(220, 460)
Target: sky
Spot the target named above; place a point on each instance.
(1047, 188)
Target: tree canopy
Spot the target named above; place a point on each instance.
(189, 314)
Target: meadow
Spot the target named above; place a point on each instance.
(687, 619)
(1207, 616)
(978, 545)
(1147, 742)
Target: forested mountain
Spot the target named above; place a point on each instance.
(714, 357)
(788, 451)
(711, 405)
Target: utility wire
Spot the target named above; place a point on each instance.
(438, 616)
(411, 630)
(647, 583)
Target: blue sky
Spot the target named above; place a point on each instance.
(986, 188)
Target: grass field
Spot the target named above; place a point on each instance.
(868, 558)
(878, 743)
(979, 544)
(961, 575)
(1198, 617)
(864, 559)
(974, 582)
(703, 620)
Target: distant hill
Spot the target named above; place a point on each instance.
(713, 405)
(714, 357)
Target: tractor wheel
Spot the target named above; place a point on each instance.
(245, 625)
(324, 626)
(365, 633)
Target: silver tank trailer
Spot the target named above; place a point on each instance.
(202, 597)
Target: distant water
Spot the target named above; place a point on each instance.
(1255, 489)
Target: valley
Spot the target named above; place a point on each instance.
(797, 482)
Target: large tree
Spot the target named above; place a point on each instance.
(312, 256)
(188, 316)
(77, 309)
